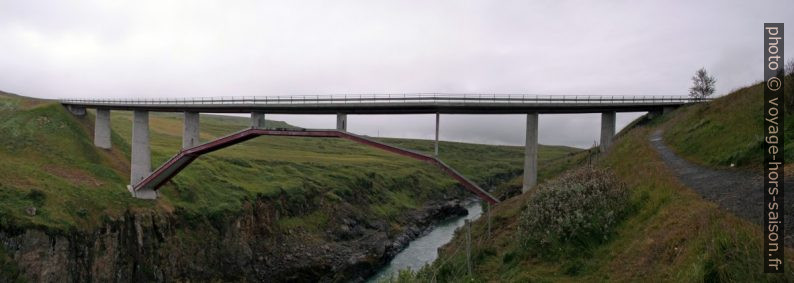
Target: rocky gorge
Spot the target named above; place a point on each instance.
(145, 246)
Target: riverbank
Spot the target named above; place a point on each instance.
(425, 222)
(240, 247)
(424, 250)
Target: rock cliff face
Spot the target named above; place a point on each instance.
(146, 246)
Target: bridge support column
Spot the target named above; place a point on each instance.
(437, 118)
(102, 129)
(341, 122)
(141, 158)
(258, 120)
(531, 153)
(190, 130)
(667, 109)
(607, 129)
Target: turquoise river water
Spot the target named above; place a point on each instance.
(424, 249)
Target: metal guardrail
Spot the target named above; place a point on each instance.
(390, 98)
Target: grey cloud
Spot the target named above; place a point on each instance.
(232, 48)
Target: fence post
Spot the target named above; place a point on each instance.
(488, 206)
(468, 246)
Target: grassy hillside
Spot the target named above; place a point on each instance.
(670, 234)
(728, 130)
(498, 162)
(50, 164)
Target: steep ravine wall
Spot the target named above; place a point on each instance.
(145, 246)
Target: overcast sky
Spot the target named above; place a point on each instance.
(59, 49)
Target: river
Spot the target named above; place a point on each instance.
(424, 249)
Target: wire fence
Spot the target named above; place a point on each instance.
(391, 98)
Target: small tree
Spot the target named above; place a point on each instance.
(789, 68)
(702, 85)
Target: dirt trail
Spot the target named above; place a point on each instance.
(737, 191)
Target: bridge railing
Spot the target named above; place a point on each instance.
(391, 98)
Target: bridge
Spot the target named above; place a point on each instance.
(179, 161)
(144, 183)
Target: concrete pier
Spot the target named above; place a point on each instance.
(607, 129)
(190, 130)
(531, 153)
(102, 129)
(258, 120)
(437, 118)
(141, 161)
(667, 109)
(341, 122)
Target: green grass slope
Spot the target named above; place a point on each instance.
(49, 163)
(728, 130)
(671, 234)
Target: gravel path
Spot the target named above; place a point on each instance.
(739, 192)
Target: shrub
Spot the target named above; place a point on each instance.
(573, 212)
(36, 196)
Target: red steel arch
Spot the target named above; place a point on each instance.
(179, 161)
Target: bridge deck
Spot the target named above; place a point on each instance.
(393, 104)
(174, 165)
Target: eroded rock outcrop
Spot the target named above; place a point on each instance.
(147, 246)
